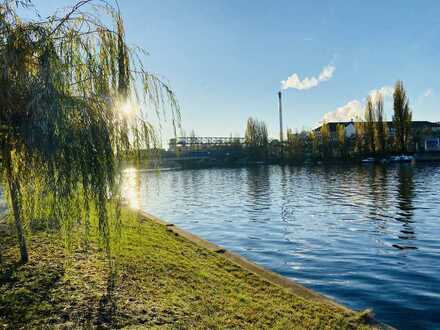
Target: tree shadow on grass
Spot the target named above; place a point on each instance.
(48, 291)
(107, 305)
(25, 290)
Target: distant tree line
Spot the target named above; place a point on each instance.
(371, 137)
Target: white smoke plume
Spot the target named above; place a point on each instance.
(294, 81)
(354, 109)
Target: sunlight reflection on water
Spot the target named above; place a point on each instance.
(366, 236)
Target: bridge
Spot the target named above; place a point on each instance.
(203, 142)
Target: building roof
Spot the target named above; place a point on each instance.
(416, 124)
(332, 125)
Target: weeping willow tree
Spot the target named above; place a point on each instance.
(74, 99)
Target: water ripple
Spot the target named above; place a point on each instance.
(365, 236)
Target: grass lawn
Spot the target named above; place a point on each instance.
(164, 281)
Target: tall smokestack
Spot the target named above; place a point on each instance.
(281, 116)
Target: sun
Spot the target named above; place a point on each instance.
(127, 109)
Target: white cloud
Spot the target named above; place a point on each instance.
(326, 73)
(347, 112)
(428, 92)
(355, 108)
(385, 91)
(294, 81)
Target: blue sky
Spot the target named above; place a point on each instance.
(225, 59)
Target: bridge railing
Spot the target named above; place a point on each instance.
(204, 142)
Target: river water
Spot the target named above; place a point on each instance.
(366, 236)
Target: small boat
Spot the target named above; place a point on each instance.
(368, 160)
(401, 159)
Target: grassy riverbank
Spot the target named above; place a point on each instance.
(164, 281)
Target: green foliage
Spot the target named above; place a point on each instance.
(370, 125)
(73, 101)
(296, 145)
(340, 133)
(313, 143)
(360, 136)
(256, 138)
(381, 126)
(325, 139)
(402, 117)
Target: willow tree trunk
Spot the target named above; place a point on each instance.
(14, 190)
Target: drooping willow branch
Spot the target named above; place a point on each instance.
(64, 83)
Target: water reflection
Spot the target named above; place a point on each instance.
(348, 232)
(285, 194)
(406, 195)
(131, 187)
(258, 198)
(379, 187)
